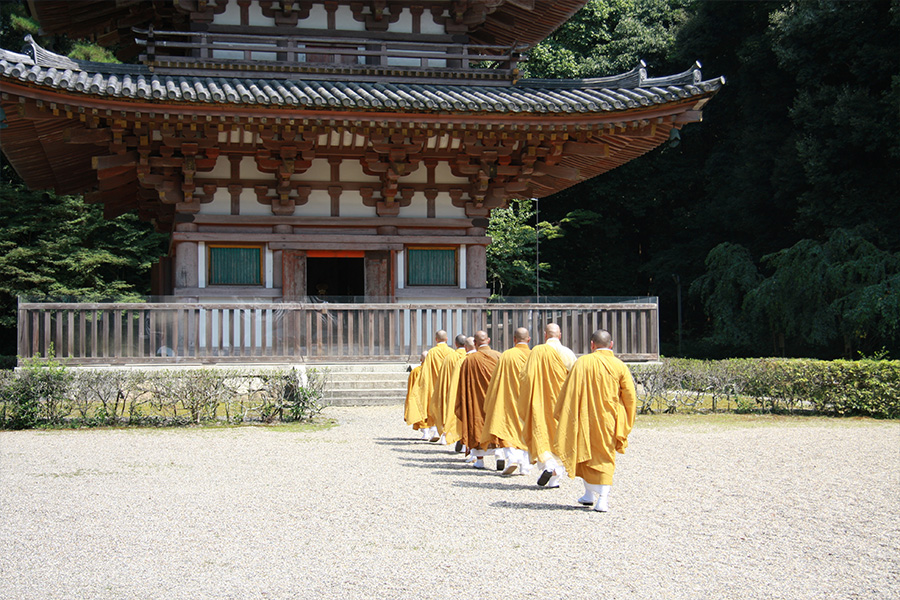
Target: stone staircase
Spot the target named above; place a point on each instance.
(365, 384)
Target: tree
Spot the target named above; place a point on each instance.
(59, 248)
(731, 274)
(607, 37)
(831, 297)
(512, 254)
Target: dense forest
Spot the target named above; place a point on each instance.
(778, 217)
(776, 220)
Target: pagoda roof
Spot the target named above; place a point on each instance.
(632, 90)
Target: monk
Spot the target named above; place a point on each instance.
(427, 379)
(454, 394)
(474, 377)
(443, 399)
(502, 426)
(595, 413)
(412, 390)
(541, 379)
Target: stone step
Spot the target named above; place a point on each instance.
(365, 384)
(367, 400)
(364, 376)
(363, 368)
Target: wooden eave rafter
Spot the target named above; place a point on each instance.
(570, 148)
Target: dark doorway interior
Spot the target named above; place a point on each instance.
(335, 277)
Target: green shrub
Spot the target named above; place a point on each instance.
(45, 392)
(37, 394)
(838, 388)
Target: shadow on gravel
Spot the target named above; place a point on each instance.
(419, 450)
(435, 463)
(537, 506)
(487, 485)
(396, 440)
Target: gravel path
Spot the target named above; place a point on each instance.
(726, 508)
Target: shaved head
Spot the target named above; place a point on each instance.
(460, 340)
(424, 354)
(440, 336)
(481, 337)
(601, 339)
(521, 335)
(470, 343)
(552, 330)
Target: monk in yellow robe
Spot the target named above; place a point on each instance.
(474, 376)
(502, 425)
(541, 379)
(595, 413)
(410, 414)
(427, 379)
(444, 396)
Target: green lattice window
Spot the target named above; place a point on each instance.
(235, 265)
(431, 266)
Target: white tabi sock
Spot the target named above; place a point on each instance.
(590, 494)
(602, 504)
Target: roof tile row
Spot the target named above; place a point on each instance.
(628, 90)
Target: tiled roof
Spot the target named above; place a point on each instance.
(136, 82)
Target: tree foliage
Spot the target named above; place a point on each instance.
(512, 256)
(607, 37)
(57, 248)
(779, 210)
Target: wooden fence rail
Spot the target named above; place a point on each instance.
(204, 333)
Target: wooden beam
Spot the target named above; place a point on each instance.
(558, 171)
(278, 240)
(115, 177)
(128, 159)
(79, 135)
(689, 116)
(104, 196)
(600, 150)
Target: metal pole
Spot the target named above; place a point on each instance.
(537, 249)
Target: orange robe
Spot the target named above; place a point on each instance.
(541, 379)
(502, 424)
(412, 390)
(595, 413)
(444, 397)
(433, 361)
(474, 377)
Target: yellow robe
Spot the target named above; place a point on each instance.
(444, 397)
(502, 423)
(474, 376)
(541, 379)
(433, 361)
(595, 413)
(412, 390)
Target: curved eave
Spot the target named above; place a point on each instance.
(194, 110)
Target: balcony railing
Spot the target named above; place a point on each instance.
(335, 57)
(204, 333)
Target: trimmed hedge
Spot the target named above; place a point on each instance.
(48, 394)
(836, 388)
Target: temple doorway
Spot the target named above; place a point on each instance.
(335, 276)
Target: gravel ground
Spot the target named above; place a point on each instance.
(730, 507)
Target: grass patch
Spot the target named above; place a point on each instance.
(722, 420)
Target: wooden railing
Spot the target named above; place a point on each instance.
(292, 54)
(204, 333)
